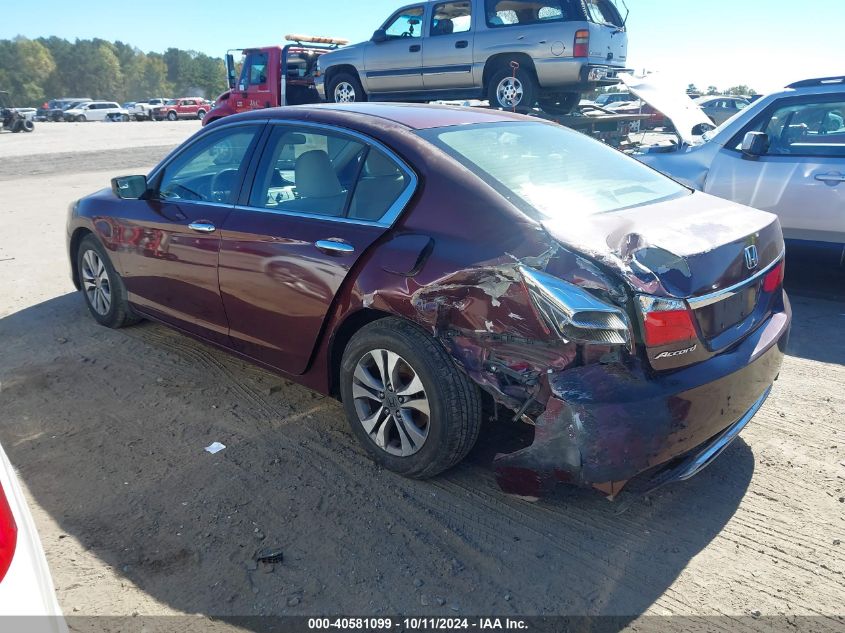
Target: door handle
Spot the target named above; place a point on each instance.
(335, 248)
(831, 178)
(461, 44)
(201, 226)
(415, 48)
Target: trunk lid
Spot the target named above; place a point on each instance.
(710, 254)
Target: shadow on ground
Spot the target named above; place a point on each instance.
(814, 273)
(108, 430)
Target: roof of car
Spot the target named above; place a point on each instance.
(415, 116)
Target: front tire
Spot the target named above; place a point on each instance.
(102, 287)
(510, 91)
(346, 88)
(201, 114)
(172, 116)
(407, 402)
(81, 118)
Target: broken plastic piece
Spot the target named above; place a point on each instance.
(215, 448)
(270, 555)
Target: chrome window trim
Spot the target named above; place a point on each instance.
(392, 214)
(714, 297)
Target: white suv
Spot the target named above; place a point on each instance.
(785, 153)
(97, 111)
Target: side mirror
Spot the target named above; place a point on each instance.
(379, 36)
(755, 144)
(129, 187)
(230, 71)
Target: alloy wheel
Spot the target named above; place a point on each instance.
(95, 279)
(344, 92)
(509, 92)
(391, 402)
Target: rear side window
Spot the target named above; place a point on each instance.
(309, 172)
(521, 12)
(323, 173)
(807, 129)
(451, 17)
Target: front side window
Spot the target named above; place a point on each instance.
(319, 173)
(553, 173)
(807, 129)
(522, 12)
(451, 17)
(209, 170)
(407, 23)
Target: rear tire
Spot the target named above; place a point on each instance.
(345, 88)
(28, 126)
(407, 402)
(510, 92)
(102, 287)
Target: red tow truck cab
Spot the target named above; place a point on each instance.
(272, 76)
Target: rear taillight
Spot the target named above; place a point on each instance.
(8, 535)
(774, 278)
(666, 321)
(581, 47)
(575, 314)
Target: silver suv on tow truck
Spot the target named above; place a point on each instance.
(466, 49)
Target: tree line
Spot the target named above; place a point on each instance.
(36, 70)
(733, 91)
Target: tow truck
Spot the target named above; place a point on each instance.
(272, 76)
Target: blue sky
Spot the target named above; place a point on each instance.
(763, 43)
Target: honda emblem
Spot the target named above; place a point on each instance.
(752, 258)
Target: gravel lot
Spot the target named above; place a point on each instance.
(108, 427)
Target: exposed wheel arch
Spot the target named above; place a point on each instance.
(332, 71)
(75, 239)
(503, 60)
(343, 335)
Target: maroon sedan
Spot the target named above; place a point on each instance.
(420, 262)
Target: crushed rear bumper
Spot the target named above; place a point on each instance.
(606, 424)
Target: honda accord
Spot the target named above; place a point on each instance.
(421, 262)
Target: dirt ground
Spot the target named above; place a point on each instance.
(107, 429)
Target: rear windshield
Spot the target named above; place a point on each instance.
(603, 12)
(553, 173)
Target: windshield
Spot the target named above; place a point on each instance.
(552, 172)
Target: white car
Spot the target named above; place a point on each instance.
(784, 153)
(143, 111)
(26, 587)
(97, 111)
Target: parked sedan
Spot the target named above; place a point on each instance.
(719, 109)
(417, 261)
(26, 588)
